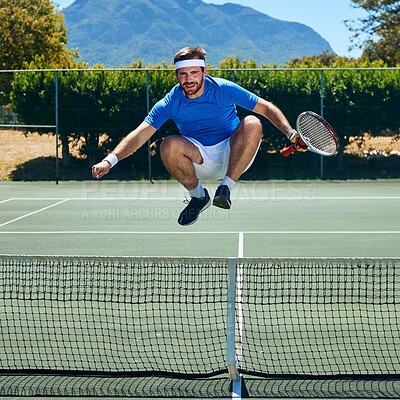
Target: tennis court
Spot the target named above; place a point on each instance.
(354, 305)
(267, 219)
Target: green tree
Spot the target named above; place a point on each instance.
(96, 107)
(32, 34)
(378, 34)
(31, 29)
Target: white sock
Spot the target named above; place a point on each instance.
(197, 192)
(228, 182)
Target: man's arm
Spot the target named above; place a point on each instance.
(128, 145)
(273, 114)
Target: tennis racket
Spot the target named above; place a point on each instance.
(316, 133)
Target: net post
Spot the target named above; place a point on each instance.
(230, 322)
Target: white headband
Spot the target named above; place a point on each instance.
(190, 63)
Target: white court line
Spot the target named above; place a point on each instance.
(191, 233)
(5, 201)
(261, 198)
(96, 198)
(239, 304)
(33, 212)
(324, 232)
(240, 245)
(116, 232)
(199, 232)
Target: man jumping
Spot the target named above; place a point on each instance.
(213, 142)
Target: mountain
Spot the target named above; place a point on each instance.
(117, 32)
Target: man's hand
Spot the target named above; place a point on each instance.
(297, 141)
(300, 145)
(100, 169)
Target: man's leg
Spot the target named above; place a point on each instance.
(244, 144)
(178, 155)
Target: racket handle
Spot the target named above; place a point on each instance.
(287, 151)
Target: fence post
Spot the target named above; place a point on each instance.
(148, 110)
(56, 117)
(321, 94)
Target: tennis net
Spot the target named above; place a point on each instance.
(115, 321)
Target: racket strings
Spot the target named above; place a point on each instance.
(317, 134)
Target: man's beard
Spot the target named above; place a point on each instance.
(193, 90)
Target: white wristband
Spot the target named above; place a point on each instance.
(290, 135)
(112, 159)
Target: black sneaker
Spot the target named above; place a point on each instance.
(222, 198)
(190, 214)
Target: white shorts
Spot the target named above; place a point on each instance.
(215, 160)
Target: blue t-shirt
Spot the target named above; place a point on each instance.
(210, 118)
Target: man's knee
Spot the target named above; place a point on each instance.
(253, 124)
(176, 146)
(169, 145)
(252, 127)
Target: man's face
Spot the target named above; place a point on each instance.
(191, 80)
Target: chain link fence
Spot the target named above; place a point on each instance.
(54, 124)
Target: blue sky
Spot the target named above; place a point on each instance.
(326, 17)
